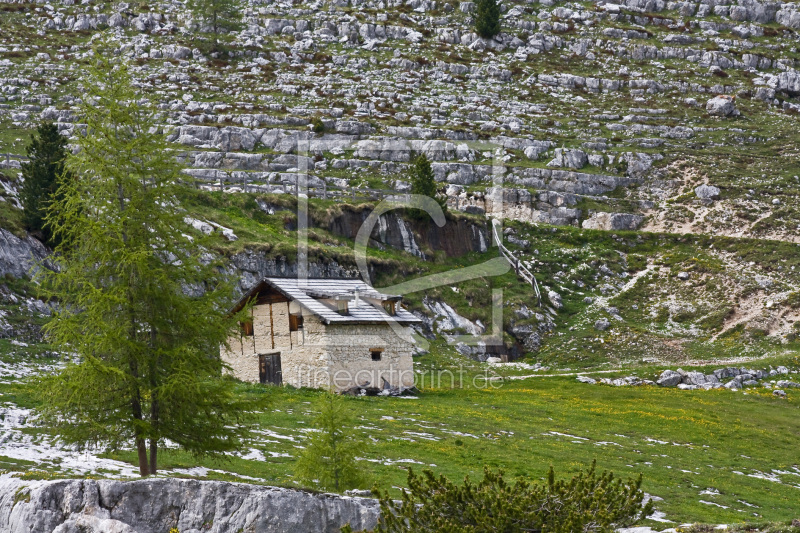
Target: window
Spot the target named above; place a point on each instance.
(247, 328)
(295, 322)
(376, 353)
(390, 306)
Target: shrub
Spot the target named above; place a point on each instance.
(588, 502)
(317, 125)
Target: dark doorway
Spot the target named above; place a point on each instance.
(269, 368)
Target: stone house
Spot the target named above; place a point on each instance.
(322, 333)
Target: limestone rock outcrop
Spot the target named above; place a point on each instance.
(157, 505)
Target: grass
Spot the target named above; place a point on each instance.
(715, 446)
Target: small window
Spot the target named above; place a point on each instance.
(295, 322)
(247, 328)
(376, 353)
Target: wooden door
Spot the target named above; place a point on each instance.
(269, 368)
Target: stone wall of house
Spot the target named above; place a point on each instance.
(351, 362)
(322, 356)
(306, 363)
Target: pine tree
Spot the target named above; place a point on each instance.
(586, 503)
(487, 18)
(423, 181)
(329, 458)
(143, 305)
(221, 15)
(47, 153)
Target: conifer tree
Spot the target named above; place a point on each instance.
(587, 503)
(143, 304)
(47, 153)
(487, 18)
(329, 458)
(422, 179)
(220, 15)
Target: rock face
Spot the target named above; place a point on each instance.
(569, 158)
(156, 505)
(18, 256)
(613, 221)
(455, 238)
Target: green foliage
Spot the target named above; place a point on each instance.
(587, 502)
(143, 305)
(318, 125)
(220, 15)
(47, 153)
(487, 18)
(329, 459)
(423, 181)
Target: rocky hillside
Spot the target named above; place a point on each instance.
(667, 117)
(594, 107)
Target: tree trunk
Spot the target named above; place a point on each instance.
(153, 456)
(141, 448)
(155, 405)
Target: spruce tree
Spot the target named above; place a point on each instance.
(220, 15)
(143, 303)
(329, 458)
(487, 18)
(422, 179)
(47, 153)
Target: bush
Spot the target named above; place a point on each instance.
(317, 125)
(487, 18)
(587, 502)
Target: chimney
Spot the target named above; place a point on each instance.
(342, 304)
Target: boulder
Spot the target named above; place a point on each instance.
(565, 157)
(694, 378)
(789, 82)
(788, 385)
(19, 257)
(555, 299)
(707, 192)
(669, 378)
(602, 324)
(586, 379)
(788, 16)
(722, 106)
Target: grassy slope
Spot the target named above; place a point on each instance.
(682, 442)
(706, 437)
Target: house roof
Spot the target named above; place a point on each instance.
(308, 292)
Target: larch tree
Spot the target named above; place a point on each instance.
(329, 458)
(143, 304)
(219, 15)
(47, 154)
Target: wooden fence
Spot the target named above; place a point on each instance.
(521, 270)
